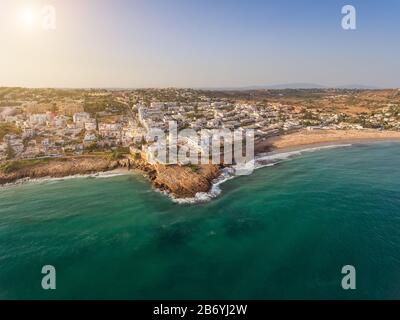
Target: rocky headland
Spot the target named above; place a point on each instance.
(179, 181)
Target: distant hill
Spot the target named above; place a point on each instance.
(300, 85)
(357, 86)
(297, 85)
(272, 87)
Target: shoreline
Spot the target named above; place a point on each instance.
(281, 152)
(176, 181)
(226, 174)
(18, 171)
(101, 174)
(280, 148)
(306, 138)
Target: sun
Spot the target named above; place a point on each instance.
(27, 18)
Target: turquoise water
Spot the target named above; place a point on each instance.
(284, 232)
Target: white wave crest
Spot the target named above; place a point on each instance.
(98, 175)
(271, 159)
(266, 160)
(225, 175)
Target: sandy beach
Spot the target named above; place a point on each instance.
(318, 137)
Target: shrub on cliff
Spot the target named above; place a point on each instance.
(119, 153)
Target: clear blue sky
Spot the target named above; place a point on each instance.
(201, 43)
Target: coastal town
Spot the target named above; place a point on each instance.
(37, 125)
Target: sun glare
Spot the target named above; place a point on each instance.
(27, 19)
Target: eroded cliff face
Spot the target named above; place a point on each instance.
(56, 168)
(180, 181)
(184, 181)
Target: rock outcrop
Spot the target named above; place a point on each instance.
(184, 181)
(180, 181)
(55, 168)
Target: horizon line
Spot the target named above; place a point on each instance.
(287, 86)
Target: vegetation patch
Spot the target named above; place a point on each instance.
(119, 153)
(8, 128)
(12, 166)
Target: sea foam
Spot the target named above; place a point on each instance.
(98, 175)
(263, 160)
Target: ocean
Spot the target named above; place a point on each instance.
(284, 232)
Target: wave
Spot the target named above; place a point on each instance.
(262, 161)
(97, 175)
(225, 175)
(271, 159)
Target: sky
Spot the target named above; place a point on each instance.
(198, 43)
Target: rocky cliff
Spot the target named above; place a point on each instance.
(184, 181)
(16, 170)
(180, 181)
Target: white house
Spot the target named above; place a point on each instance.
(80, 118)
